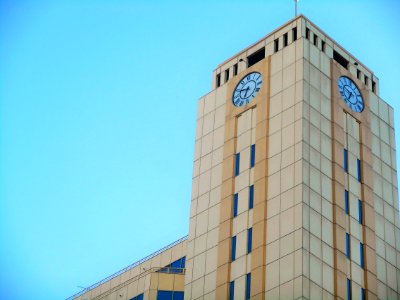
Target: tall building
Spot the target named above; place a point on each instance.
(294, 184)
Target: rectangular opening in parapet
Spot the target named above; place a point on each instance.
(285, 40)
(340, 59)
(307, 33)
(276, 45)
(323, 46)
(315, 40)
(374, 86)
(235, 69)
(218, 79)
(294, 33)
(226, 75)
(256, 57)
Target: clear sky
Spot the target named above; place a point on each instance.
(98, 103)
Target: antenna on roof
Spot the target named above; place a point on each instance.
(295, 7)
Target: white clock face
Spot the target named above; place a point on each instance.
(351, 94)
(247, 89)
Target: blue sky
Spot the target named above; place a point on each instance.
(98, 102)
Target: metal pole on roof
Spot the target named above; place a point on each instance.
(295, 9)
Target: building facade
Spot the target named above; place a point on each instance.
(294, 185)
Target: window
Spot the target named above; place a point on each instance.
(285, 40)
(294, 34)
(345, 160)
(359, 170)
(362, 255)
(358, 74)
(218, 80)
(251, 197)
(346, 201)
(340, 59)
(248, 286)
(235, 205)
(256, 57)
(348, 289)
(138, 297)
(169, 295)
(249, 240)
(360, 212)
(232, 290)
(276, 45)
(235, 69)
(366, 79)
(307, 33)
(226, 75)
(237, 171)
(362, 294)
(175, 267)
(233, 248)
(374, 86)
(323, 46)
(253, 156)
(347, 245)
(315, 40)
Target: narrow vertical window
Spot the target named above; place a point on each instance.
(276, 45)
(233, 248)
(366, 79)
(285, 40)
(348, 289)
(253, 156)
(360, 212)
(232, 290)
(237, 171)
(235, 204)
(248, 286)
(346, 201)
(249, 240)
(358, 170)
(307, 33)
(226, 75)
(358, 74)
(315, 40)
(345, 160)
(294, 33)
(362, 294)
(235, 69)
(347, 245)
(374, 86)
(218, 80)
(251, 197)
(323, 46)
(362, 255)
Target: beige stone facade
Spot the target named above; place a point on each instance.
(294, 194)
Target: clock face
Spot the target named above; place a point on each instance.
(247, 89)
(351, 94)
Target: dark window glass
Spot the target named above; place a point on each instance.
(360, 212)
(179, 295)
(138, 297)
(315, 40)
(232, 290)
(251, 197)
(248, 286)
(164, 295)
(358, 74)
(294, 33)
(218, 80)
(366, 80)
(237, 171)
(347, 245)
(276, 45)
(348, 289)
(256, 57)
(235, 204)
(307, 33)
(233, 248)
(362, 255)
(285, 40)
(323, 46)
(235, 69)
(249, 240)
(340, 59)
(346, 201)
(374, 86)
(253, 155)
(345, 160)
(359, 170)
(226, 75)
(362, 294)
(174, 267)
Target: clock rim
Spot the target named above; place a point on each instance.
(234, 90)
(359, 91)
